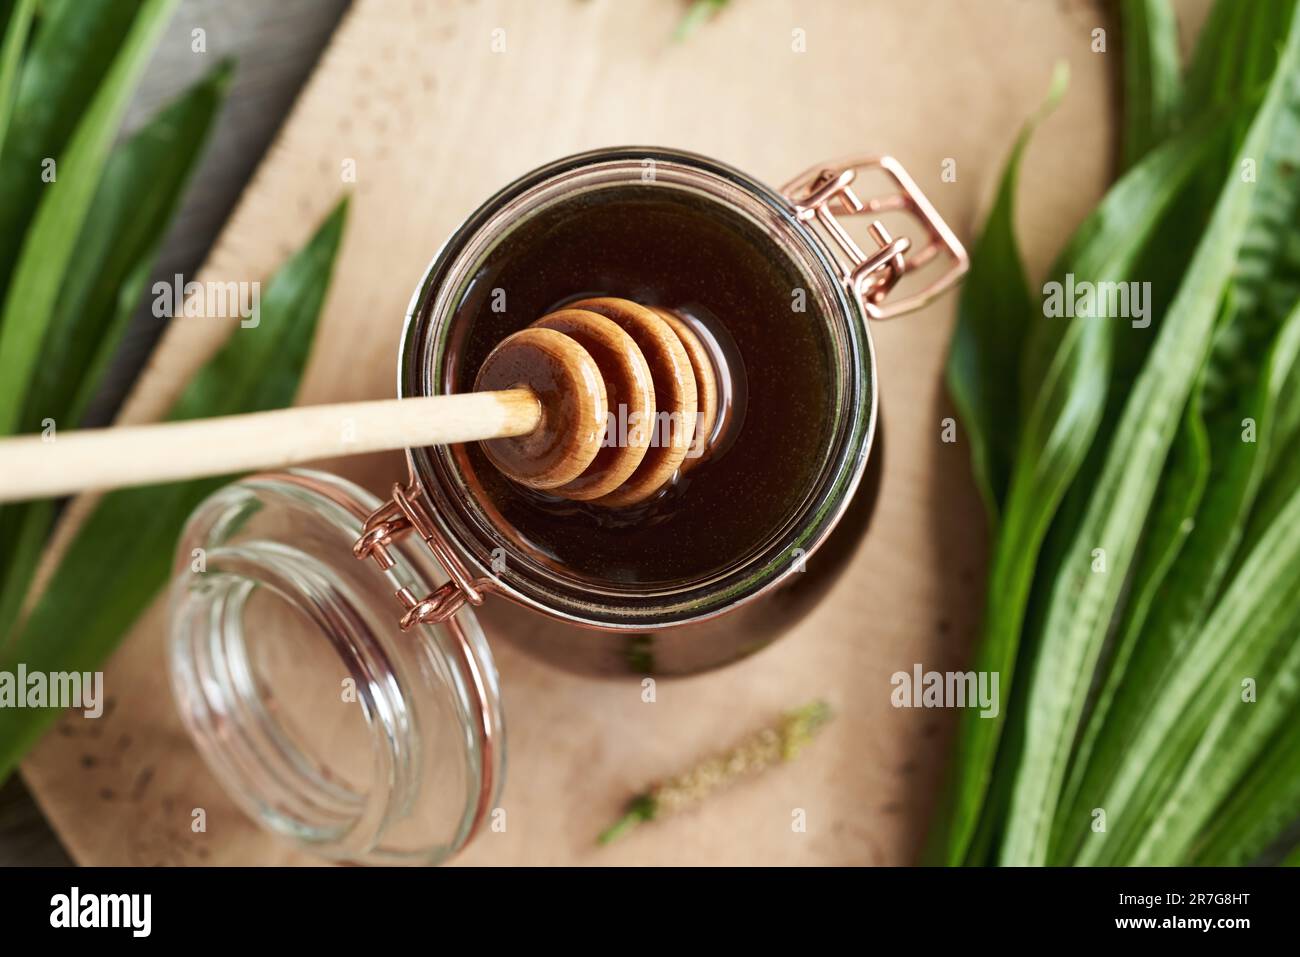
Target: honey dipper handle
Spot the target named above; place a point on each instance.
(43, 467)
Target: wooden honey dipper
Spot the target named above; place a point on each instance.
(541, 407)
(594, 363)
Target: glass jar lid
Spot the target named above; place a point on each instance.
(324, 720)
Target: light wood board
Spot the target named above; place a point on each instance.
(435, 121)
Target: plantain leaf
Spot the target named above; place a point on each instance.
(1228, 111)
(992, 313)
(1166, 535)
(142, 185)
(1244, 382)
(16, 27)
(1235, 57)
(71, 52)
(1169, 526)
(1282, 480)
(1066, 375)
(1236, 52)
(1152, 75)
(1188, 727)
(696, 16)
(1261, 807)
(48, 246)
(121, 555)
(1192, 582)
(1238, 728)
(1084, 598)
(1203, 565)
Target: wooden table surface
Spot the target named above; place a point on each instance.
(414, 96)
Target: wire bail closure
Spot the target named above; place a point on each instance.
(403, 513)
(818, 192)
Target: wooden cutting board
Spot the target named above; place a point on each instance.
(434, 116)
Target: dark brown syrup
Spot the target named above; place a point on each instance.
(730, 280)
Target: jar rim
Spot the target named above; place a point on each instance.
(428, 320)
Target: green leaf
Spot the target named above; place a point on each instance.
(1171, 522)
(1165, 536)
(1240, 639)
(1261, 807)
(1282, 480)
(121, 555)
(71, 52)
(1236, 734)
(1193, 580)
(1066, 375)
(1235, 53)
(1152, 75)
(1235, 56)
(1202, 566)
(24, 529)
(1245, 378)
(994, 309)
(699, 12)
(49, 244)
(11, 55)
(1083, 602)
(142, 185)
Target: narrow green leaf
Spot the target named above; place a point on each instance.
(1235, 52)
(73, 47)
(23, 533)
(1084, 601)
(143, 182)
(1230, 110)
(1201, 568)
(121, 555)
(11, 55)
(1282, 480)
(1169, 526)
(1193, 582)
(17, 24)
(699, 12)
(1255, 617)
(1261, 807)
(142, 185)
(1068, 367)
(1152, 75)
(48, 246)
(1237, 731)
(1246, 374)
(1235, 56)
(994, 309)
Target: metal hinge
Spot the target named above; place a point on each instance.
(402, 514)
(818, 192)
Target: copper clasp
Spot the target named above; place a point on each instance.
(820, 192)
(403, 513)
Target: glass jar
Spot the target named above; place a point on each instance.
(370, 730)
